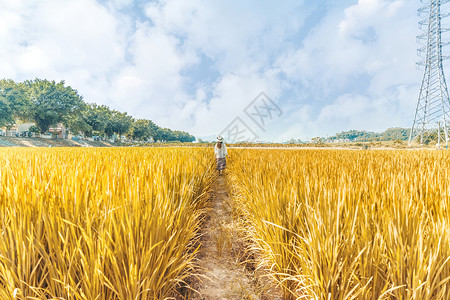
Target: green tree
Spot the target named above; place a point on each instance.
(395, 134)
(185, 137)
(118, 123)
(145, 129)
(5, 113)
(142, 130)
(91, 119)
(77, 125)
(51, 103)
(13, 102)
(47, 103)
(97, 116)
(34, 129)
(318, 140)
(166, 134)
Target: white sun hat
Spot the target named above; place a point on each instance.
(220, 138)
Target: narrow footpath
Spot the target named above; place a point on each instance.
(223, 275)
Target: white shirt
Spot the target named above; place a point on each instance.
(222, 152)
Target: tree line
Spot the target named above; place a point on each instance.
(390, 134)
(47, 103)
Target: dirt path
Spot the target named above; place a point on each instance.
(224, 275)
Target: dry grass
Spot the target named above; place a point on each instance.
(338, 224)
(99, 223)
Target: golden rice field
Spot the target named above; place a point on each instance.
(342, 224)
(123, 223)
(99, 223)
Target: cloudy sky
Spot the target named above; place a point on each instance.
(329, 65)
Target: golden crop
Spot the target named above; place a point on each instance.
(99, 223)
(341, 224)
(123, 223)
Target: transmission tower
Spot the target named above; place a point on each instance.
(433, 106)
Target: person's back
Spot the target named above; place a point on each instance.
(220, 151)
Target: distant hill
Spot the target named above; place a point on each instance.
(390, 134)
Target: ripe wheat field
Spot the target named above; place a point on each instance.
(99, 223)
(340, 224)
(123, 223)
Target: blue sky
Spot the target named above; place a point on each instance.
(195, 65)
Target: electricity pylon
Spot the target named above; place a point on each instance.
(433, 106)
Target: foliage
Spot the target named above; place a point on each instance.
(92, 120)
(5, 114)
(389, 134)
(51, 102)
(318, 140)
(96, 116)
(144, 130)
(166, 134)
(118, 123)
(13, 102)
(47, 103)
(34, 129)
(396, 134)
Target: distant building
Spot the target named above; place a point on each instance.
(12, 131)
(59, 131)
(16, 130)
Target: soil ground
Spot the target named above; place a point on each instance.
(7, 141)
(225, 271)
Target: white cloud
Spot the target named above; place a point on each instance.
(194, 65)
(120, 4)
(354, 65)
(346, 107)
(234, 33)
(231, 96)
(370, 36)
(60, 40)
(180, 32)
(152, 85)
(33, 59)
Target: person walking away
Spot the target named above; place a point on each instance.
(221, 152)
